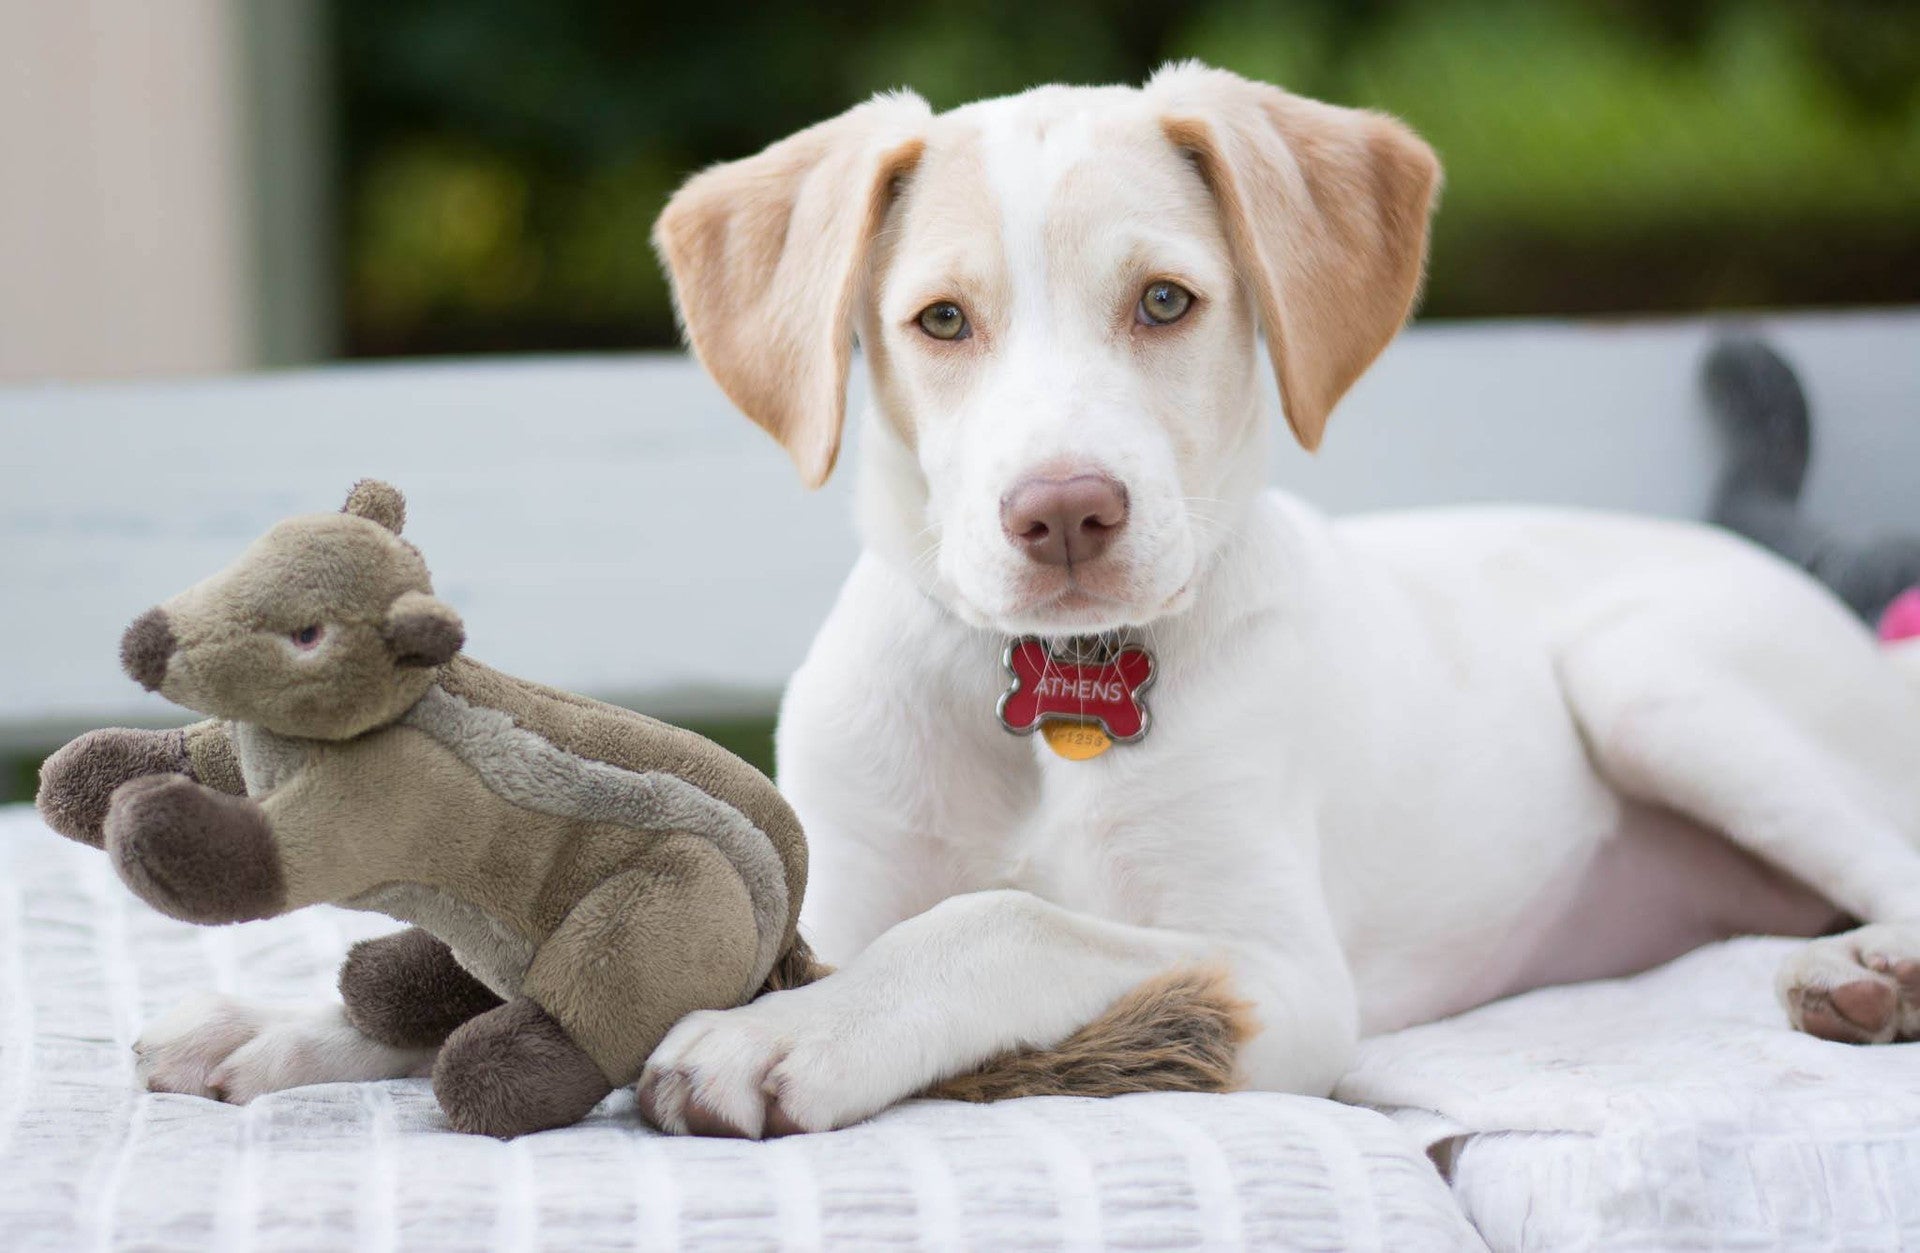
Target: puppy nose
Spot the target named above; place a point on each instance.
(1062, 522)
(145, 648)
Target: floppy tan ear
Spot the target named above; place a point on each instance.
(767, 256)
(1326, 211)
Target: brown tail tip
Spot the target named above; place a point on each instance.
(795, 968)
(1179, 1032)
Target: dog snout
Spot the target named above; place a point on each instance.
(146, 648)
(1064, 521)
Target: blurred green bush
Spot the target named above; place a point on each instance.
(503, 159)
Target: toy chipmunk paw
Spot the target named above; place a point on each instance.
(408, 990)
(78, 782)
(513, 1070)
(193, 853)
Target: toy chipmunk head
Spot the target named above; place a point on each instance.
(326, 627)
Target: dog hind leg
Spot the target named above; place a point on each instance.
(1669, 731)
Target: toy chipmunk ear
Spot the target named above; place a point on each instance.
(422, 631)
(377, 502)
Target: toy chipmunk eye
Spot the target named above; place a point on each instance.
(306, 636)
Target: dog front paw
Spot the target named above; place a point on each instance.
(183, 1051)
(231, 1050)
(77, 783)
(193, 853)
(791, 1062)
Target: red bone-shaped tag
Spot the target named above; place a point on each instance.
(1106, 694)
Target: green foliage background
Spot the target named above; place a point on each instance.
(503, 159)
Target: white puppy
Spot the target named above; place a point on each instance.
(1396, 766)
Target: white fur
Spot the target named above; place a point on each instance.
(1390, 757)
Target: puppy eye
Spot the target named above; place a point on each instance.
(945, 320)
(1163, 302)
(306, 636)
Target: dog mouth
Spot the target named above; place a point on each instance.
(1076, 599)
(1118, 590)
(1076, 608)
(1079, 609)
(1070, 591)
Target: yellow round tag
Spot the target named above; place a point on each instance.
(1076, 741)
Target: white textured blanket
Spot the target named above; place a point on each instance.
(88, 1161)
(1670, 1111)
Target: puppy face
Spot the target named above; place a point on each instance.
(1067, 362)
(1060, 295)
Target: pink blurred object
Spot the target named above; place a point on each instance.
(1901, 621)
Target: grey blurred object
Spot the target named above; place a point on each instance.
(1762, 414)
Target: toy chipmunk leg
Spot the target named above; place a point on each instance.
(513, 1071)
(77, 782)
(669, 935)
(407, 990)
(194, 853)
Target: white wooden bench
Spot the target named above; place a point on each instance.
(611, 525)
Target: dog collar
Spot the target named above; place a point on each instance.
(1083, 694)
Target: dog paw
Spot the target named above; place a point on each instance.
(790, 1062)
(706, 1077)
(183, 1051)
(232, 1050)
(272, 1061)
(300, 1046)
(1861, 987)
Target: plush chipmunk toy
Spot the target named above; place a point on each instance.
(579, 876)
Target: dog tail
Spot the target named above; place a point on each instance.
(1179, 1032)
(794, 968)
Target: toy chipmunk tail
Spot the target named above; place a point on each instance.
(1180, 1032)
